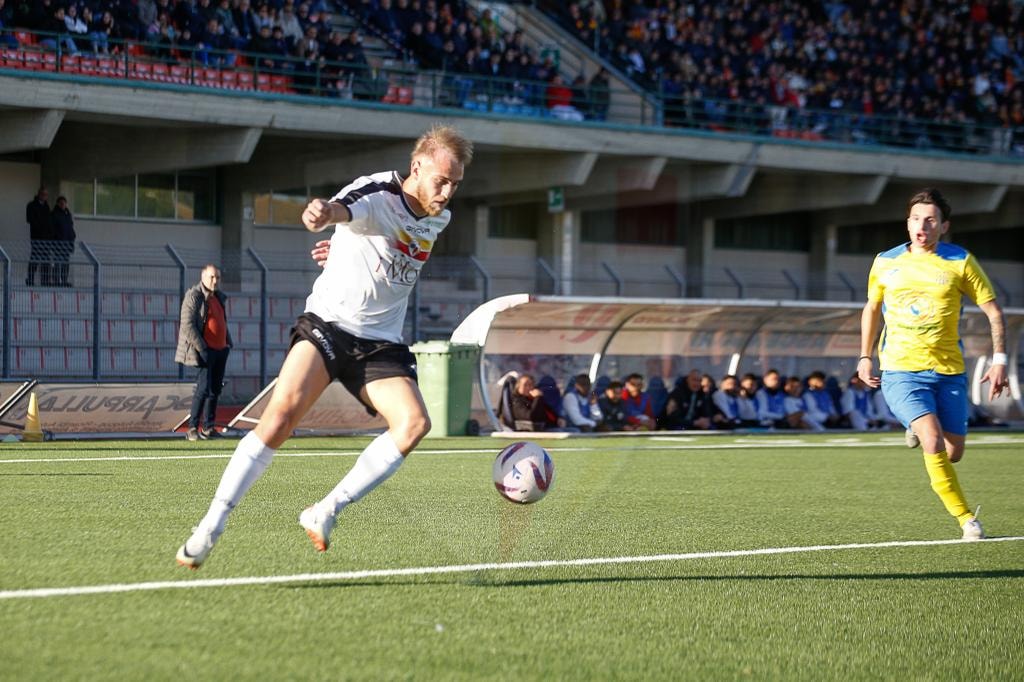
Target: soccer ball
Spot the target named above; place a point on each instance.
(523, 472)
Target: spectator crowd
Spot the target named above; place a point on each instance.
(918, 61)
(696, 403)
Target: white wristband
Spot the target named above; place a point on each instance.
(999, 359)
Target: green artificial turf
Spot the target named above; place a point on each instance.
(927, 612)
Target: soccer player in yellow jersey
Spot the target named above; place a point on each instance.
(917, 287)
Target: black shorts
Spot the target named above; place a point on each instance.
(351, 360)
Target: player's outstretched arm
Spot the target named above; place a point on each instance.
(320, 213)
(996, 374)
(870, 323)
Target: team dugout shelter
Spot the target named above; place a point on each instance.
(662, 339)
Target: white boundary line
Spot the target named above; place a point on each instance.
(658, 445)
(463, 568)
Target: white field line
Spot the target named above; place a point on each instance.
(459, 568)
(661, 445)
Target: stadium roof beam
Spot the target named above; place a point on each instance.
(797, 192)
(25, 130)
(110, 151)
(496, 175)
(675, 183)
(966, 199)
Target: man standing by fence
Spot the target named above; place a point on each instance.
(204, 342)
(37, 215)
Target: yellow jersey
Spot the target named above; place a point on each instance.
(921, 305)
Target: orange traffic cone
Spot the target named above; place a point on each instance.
(33, 432)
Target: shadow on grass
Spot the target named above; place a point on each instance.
(478, 580)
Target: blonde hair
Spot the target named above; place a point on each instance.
(447, 138)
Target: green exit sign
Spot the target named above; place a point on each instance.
(556, 200)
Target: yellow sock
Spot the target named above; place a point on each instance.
(946, 486)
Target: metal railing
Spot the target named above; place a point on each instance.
(401, 85)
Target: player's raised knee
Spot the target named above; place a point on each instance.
(410, 431)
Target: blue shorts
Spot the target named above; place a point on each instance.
(914, 394)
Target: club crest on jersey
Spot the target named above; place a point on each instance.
(417, 249)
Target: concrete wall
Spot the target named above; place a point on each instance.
(18, 184)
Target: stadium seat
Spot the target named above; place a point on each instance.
(391, 96)
(208, 77)
(142, 70)
(76, 331)
(25, 38)
(33, 60)
(70, 63)
(179, 74)
(55, 360)
(11, 58)
(658, 393)
(161, 73)
(245, 80)
(27, 329)
(105, 66)
(229, 79)
(280, 83)
(49, 61)
(404, 95)
(78, 361)
(28, 361)
(43, 302)
(263, 82)
(87, 66)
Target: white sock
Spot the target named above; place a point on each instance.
(375, 464)
(246, 465)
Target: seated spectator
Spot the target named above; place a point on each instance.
(820, 403)
(688, 407)
(797, 408)
(737, 409)
(101, 30)
(613, 409)
(580, 406)
(59, 28)
(639, 413)
(856, 405)
(73, 22)
(771, 409)
(559, 99)
(522, 406)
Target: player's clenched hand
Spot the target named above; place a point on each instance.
(317, 216)
(865, 366)
(320, 251)
(996, 374)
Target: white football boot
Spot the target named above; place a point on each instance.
(204, 540)
(911, 439)
(318, 527)
(973, 531)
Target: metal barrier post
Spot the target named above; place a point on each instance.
(8, 300)
(97, 300)
(614, 276)
(849, 285)
(483, 274)
(736, 281)
(182, 268)
(263, 314)
(793, 283)
(550, 273)
(680, 282)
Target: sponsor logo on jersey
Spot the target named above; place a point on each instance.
(417, 249)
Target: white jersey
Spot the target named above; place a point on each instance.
(375, 259)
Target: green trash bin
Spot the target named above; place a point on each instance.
(446, 373)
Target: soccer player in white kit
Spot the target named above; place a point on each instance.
(386, 226)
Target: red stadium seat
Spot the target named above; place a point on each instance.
(179, 74)
(11, 58)
(229, 79)
(105, 66)
(142, 70)
(404, 95)
(70, 63)
(262, 81)
(25, 38)
(245, 80)
(208, 77)
(161, 73)
(279, 83)
(391, 96)
(33, 60)
(88, 66)
(49, 61)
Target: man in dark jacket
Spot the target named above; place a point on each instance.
(37, 215)
(64, 242)
(688, 406)
(204, 342)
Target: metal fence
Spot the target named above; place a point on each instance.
(117, 317)
(400, 84)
